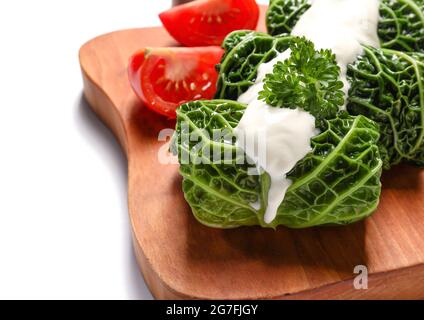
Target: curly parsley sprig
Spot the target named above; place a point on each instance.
(308, 79)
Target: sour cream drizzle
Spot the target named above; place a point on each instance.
(284, 134)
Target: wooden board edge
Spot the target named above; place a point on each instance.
(104, 108)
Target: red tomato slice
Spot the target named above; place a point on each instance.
(164, 78)
(207, 22)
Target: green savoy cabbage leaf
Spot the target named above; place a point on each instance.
(388, 87)
(239, 66)
(401, 24)
(337, 183)
(219, 192)
(282, 15)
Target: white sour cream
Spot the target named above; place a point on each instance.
(277, 138)
(342, 26)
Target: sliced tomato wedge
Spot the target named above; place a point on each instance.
(207, 22)
(165, 78)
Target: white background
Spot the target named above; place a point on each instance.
(64, 229)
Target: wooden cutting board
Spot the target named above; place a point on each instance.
(180, 258)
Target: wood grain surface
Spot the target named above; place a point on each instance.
(181, 258)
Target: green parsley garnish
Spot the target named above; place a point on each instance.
(308, 79)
